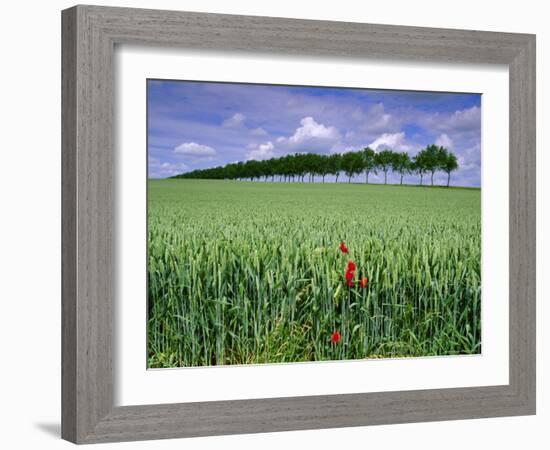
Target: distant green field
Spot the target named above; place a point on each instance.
(251, 272)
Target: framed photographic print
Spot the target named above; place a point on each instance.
(267, 222)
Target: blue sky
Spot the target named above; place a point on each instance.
(194, 125)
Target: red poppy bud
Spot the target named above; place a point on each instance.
(349, 275)
(351, 266)
(350, 283)
(343, 247)
(364, 281)
(335, 338)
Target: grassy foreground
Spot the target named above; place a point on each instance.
(243, 273)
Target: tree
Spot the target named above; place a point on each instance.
(401, 164)
(431, 158)
(300, 166)
(369, 162)
(266, 169)
(313, 162)
(288, 167)
(352, 164)
(254, 169)
(449, 165)
(323, 165)
(335, 165)
(417, 166)
(384, 161)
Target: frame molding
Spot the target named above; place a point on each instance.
(89, 36)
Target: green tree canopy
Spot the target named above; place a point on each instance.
(298, 165)
(369, 162)
(384, 161)
(449, 164)
(352, 164)
(401, 164)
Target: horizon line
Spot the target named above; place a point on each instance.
(176, 178)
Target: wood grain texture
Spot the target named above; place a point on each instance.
(68, 226)
(89, 36)
(522, 224)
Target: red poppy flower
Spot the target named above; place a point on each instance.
(349, 275)
(350, 283)
(343, 247)
(335, 338)
(363, 283)
(351, 266)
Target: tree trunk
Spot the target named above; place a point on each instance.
(421, 176)
(401, 179)
(323, 178)
(432, 178)
(337, 175)
(367, 177)
(349, 179)
(386, 177)
(448, 178)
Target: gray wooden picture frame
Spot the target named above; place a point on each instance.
(90, 34)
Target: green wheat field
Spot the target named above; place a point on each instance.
(251, 272)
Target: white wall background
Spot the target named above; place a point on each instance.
(30, 236)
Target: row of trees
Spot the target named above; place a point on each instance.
(297, 166)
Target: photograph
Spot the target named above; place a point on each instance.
(294, 224)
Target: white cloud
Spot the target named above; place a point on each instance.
(311, 136)
(394, 141)
(262, 151)
(158, 169)
(375, 119)
(470, 158)
(465, 119)
(235, 120)
(461, 121)
(258, 132)
(444, 141)
(311, 129)
(195, 150)
(350, 134)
